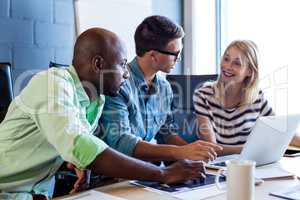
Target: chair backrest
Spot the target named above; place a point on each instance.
(58, 65)
(183, 87)
(6, 88)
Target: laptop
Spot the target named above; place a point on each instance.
(267, 141)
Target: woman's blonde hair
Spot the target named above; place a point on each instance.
(250, 58)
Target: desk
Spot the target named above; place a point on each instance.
(131, 192)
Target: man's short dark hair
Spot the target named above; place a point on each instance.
(155, 32)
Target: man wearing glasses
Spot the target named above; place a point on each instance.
(142, 109)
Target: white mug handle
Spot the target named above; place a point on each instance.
(217, 179)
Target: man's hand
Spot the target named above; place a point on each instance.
(182, 171)
(199, 150)
(82, 182)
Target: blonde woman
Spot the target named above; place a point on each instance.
(228, 108)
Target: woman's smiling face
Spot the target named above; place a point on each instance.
(234, 67)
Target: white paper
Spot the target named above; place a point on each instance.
(92, 195)
(198, 194)
(271, 171)
(290, 193)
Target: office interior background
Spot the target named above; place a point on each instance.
(35, 32)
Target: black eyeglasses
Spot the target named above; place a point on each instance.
(176, 54)
(124, 64)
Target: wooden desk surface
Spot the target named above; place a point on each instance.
(131, 192)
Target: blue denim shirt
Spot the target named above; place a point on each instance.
(138, 112)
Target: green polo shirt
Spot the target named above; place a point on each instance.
(50, 121)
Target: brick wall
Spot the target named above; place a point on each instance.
(33, 33)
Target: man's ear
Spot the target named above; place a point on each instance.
(152, 56)
(98, 63)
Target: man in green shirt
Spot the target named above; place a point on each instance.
(55, 116)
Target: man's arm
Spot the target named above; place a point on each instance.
(115, 123)
(109, 163)
(118, 133)
(176, 140)
(199, 150)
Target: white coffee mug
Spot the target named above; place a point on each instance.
(240, 184)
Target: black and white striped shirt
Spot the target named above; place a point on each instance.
(231, 126)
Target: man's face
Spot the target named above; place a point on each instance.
(168, 57)
(114, 75)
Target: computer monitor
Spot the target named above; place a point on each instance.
(183, 87)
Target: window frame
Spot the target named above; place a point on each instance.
(190, 46)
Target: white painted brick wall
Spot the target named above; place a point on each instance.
(15, 31)
(4, 8)
(35, 32)
(58, 35)
(37, 10)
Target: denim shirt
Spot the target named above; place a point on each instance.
(138, 112)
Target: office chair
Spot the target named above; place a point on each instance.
(183, 87)
(58, 65)
(6, 88)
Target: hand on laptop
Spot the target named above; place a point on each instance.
(200, 150)
(182, 171)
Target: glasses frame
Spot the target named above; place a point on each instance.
(176, 54)
(124, 65)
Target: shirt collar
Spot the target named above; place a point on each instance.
(139, 77)
(82, 96)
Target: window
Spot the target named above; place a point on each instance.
(119, 16)
(272, 25)
(202, 32)
(211, 25)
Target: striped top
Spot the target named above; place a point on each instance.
(231, 126)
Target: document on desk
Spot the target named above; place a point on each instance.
(199, 194)
(288, 193)
(92, 195)
(271, 172)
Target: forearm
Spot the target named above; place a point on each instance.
(156, 152)
(114, 164)
(296, 141)
(208, 136)
(205, 130)
(176, 140)
(227, 150)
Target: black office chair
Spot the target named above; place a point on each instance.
(183, 87)
(6, 88)
(58, 65)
